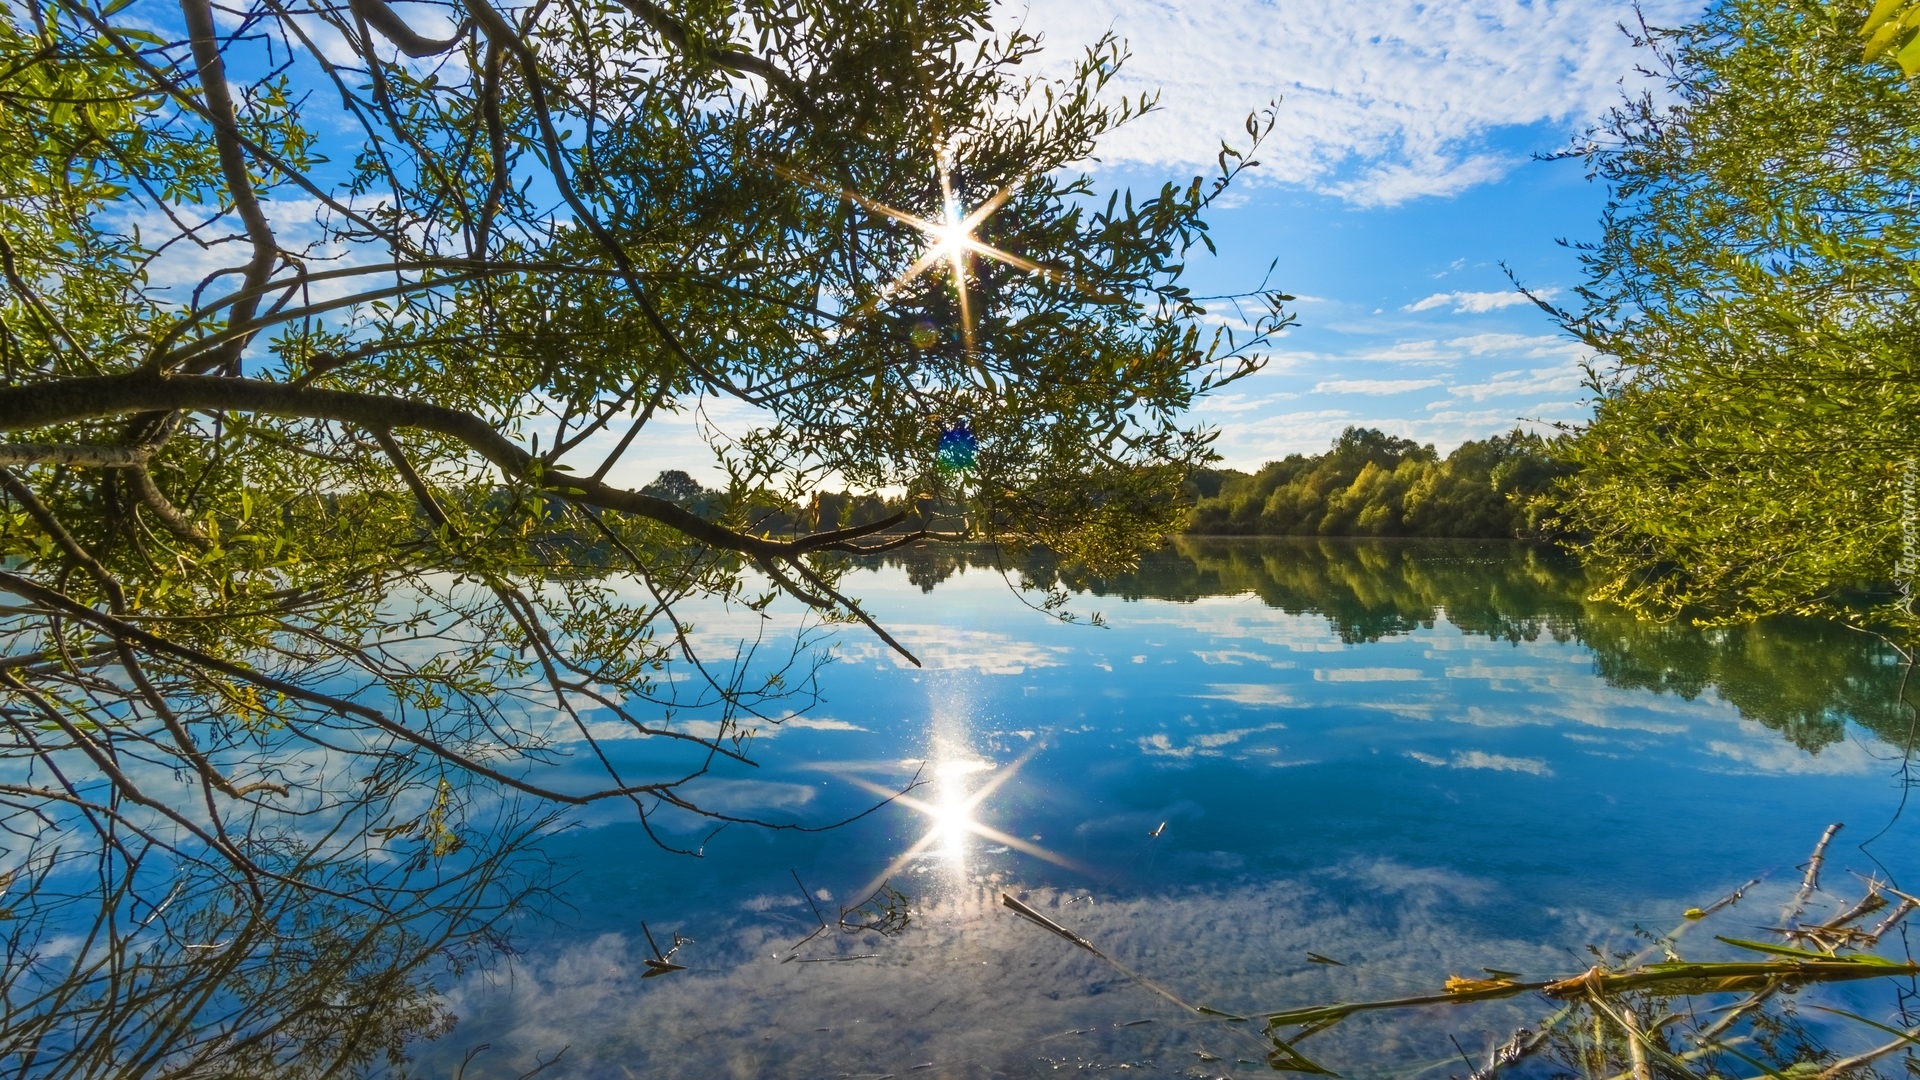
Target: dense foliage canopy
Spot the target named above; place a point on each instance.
(1374, 484)
(1753, 296)
(323, 331)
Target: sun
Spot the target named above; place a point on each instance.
(951, 240)
(948, 240)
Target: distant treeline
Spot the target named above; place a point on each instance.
(1369, 484)
(826, 509)
(1374, 484)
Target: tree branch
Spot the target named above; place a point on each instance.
(233, 164)
(733, 59)
(382, 18)
(153, 499)
(85, 455)
(101, 397)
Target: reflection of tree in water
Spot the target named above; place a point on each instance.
(140, 959)
(1804, 678)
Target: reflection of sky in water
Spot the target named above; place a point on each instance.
(1425, 804)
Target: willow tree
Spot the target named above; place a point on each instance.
(1753, 447)
(324, 330)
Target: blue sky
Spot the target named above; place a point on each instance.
(1398, 180)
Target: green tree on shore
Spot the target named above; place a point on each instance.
(1373, 484)
(1752, 297)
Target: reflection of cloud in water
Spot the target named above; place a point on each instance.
(1532, 676)
(1160, 744)
(1411, 710)
(1847, 758)
(1235, 657)
(1605, 707)
(736, 795)
(1248, 694)
(975, 990)
(615, 730)
(945, 648)
(1480, 759)
(1368, 674)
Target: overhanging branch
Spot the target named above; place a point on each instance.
(25, 408)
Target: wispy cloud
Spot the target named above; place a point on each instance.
(1373, 386)
(1522, 344)
(1476, 303)
(1380, 103)
(1559, 380)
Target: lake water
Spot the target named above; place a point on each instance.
(1417, 759)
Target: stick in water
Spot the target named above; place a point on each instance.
(1790, 917)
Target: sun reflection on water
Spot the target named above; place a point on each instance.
(952, 806)
(958, 780)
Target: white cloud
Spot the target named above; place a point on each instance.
(1249, 445)
(1392, 183)
(1531, 345)
(615, 730)
(1378, 387)
(1235, 657)
(822, 723)
(1476, 303)
(1410, 352)
(1379, 103)
(1560, 379)
(943, 648)
(1477, 670)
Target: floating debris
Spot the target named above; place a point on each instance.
(661, 963)
(1049, 924)
(887, 912)
(1457, 985)
(804, 895)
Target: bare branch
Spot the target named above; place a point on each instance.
(233, 163)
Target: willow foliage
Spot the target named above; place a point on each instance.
(1753, 295)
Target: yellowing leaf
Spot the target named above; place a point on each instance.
(1458, 984)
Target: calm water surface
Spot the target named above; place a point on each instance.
(1416, 759)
